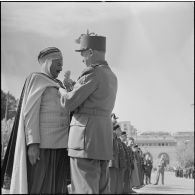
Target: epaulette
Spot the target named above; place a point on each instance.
(87, 71)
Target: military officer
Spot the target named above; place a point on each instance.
(122, 157)
(147, 169)
(114, 163)
(127, 150)
(92, 99)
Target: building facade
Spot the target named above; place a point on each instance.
(128, 128)
(157, 143)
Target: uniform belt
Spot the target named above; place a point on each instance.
(92, 111)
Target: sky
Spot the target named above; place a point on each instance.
(150, 47)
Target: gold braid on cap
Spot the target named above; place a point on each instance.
(78, 40)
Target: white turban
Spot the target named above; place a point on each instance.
(45, 67)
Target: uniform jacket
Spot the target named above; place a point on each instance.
(147, 165)
(122, 155)
(92, 101)
(131, 157)
(115, 161)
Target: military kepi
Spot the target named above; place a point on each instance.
(91, 41)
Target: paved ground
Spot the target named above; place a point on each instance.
(173, 185)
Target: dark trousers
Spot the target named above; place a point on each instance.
(127, 181)
(49, 174)
(160, 171)
(147, 178)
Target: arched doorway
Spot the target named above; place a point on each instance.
(167, 159)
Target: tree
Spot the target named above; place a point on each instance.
(11, 105)
(185, 153)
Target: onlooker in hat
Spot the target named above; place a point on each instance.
(92, 100)
(36, 160)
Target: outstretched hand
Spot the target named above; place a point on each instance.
(68, 82)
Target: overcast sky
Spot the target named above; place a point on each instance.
(150, 47)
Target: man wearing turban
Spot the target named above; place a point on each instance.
(36, 160)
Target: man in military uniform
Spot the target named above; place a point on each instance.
(161, 169)
(113, 167)
(128, 152)
(130, 144)
(92, 99)
(122, 162)
(147, 169)
(114, 163)
(150, 168)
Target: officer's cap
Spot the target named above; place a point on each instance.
(135, 146)
(116, 127)
(114, 116)
(91, 41)
(123, 133)
(131, 138)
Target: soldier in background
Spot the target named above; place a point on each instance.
(128, 154)
(130, 143)
(141, 166)
(150, 168)
(122, 162)
(147, 169)
(114, 163)
(161, 169)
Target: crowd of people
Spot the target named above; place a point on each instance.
(185, 172)
(130, 169)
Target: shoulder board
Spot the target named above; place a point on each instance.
(86, 71)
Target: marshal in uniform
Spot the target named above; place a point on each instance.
(92, 99)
